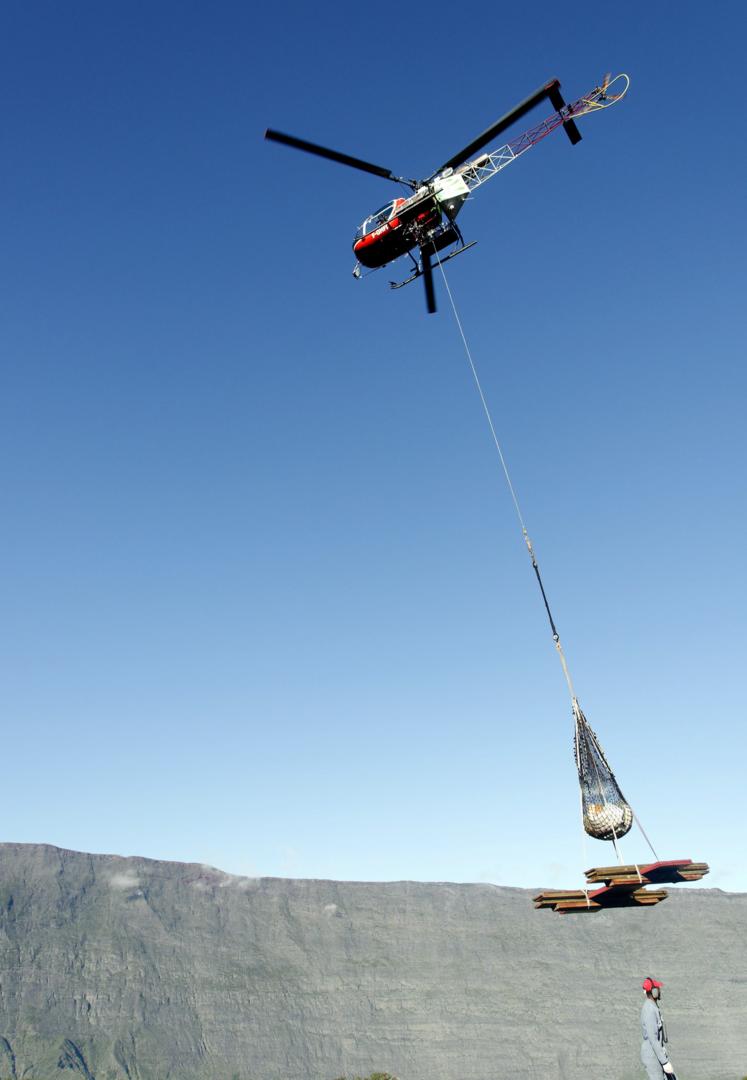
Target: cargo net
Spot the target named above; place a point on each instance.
(606, 814)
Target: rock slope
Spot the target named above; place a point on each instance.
(131, 969)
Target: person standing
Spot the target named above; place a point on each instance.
(654, 1054)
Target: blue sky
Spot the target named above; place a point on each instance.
(265, 601)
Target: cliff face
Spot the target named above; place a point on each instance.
(128, 968)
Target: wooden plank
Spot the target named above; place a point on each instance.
(620, 872)
(634, 868)
(622, 886)
(550, 899)
(666, 871)
(635, 882)
(560, 894)
(576, 905)
(610, 870)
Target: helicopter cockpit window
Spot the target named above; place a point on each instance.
(376, 220)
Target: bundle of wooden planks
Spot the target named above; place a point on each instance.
(621, 886)
(657, 873)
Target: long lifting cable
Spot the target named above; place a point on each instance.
(512, 490)
(535, 566)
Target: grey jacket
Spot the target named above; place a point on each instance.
(654, 1035)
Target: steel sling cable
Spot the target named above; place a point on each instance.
(577, 714)
(504, 466)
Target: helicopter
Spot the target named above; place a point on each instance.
(426, 219)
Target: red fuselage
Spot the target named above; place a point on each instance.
(394, 230)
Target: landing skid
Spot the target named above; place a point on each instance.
(419, 273)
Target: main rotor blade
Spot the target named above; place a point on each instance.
(500, 125)
(430, 292)
(333, 155)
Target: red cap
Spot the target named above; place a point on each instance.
(649, 984)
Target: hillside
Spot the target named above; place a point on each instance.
(121, 968)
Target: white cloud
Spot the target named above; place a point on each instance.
(212, 878)
(128, 879)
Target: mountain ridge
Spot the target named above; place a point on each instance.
(126, 968)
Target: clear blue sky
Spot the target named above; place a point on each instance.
(265, 601)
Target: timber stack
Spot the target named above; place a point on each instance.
(622, 886)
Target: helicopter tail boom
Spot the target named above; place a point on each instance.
(476, 172)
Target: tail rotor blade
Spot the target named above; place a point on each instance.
(557, 102)
(430, 292)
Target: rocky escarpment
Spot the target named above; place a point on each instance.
(115, 968)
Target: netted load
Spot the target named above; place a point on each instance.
(606, 814)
